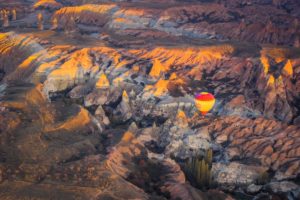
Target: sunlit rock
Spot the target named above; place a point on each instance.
(87, 13)
(81, 119)
(132, 18)
(102, 82)
(157, 69)
(187, 56)
(288, 68)
(71, 72)
(181, 119)
(47, 4)
(159, 89)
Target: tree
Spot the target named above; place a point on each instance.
(209, 156)
(198, 170)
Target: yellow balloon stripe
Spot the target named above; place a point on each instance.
(205, 106)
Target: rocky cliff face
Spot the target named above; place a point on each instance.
(100, 104)
(272, 23)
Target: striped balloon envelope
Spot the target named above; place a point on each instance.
(204, 102)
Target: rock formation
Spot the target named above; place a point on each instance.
(97, 99)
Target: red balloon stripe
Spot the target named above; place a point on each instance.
(204, 97)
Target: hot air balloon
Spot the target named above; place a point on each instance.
(204, 102)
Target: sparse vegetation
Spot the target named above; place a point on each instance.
(198, 170)
(209, 156)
